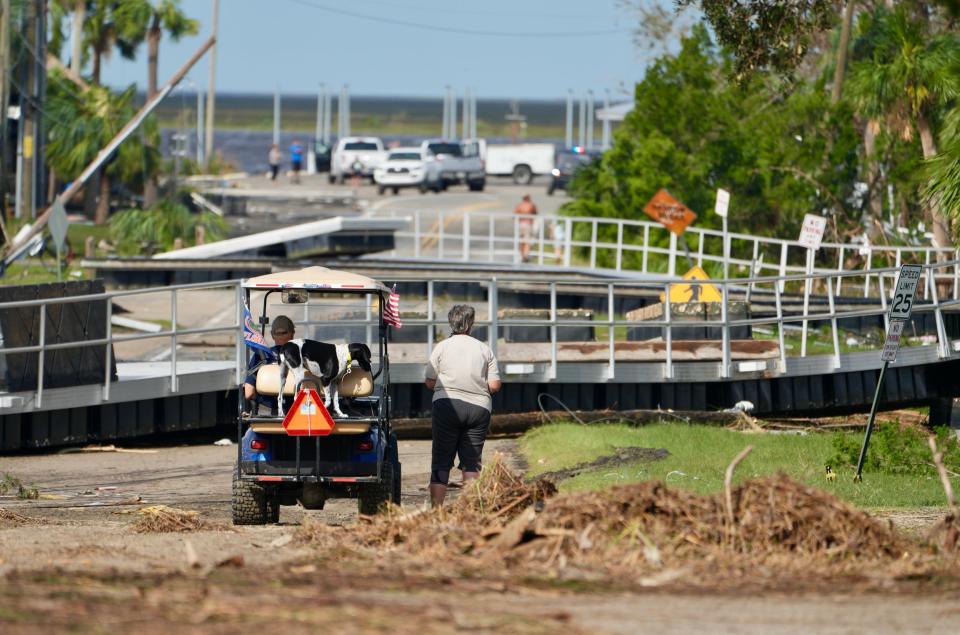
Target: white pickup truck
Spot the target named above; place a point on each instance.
(447, 164)
(521, 161)
(352, 153)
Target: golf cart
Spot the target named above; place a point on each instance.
(307, 456)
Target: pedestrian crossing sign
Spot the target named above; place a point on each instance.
(308, 416)
(680, 293)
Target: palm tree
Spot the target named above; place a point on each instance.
(909, 77)
(157, 16)
(82, 125)
(109, 24)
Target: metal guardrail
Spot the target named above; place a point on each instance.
(775, 287)
(496, 237)
(174, 332)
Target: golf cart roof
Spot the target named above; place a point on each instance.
(315, 278)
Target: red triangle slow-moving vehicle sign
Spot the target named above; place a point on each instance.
(308, 416)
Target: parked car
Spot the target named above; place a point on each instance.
(447, 164)
(356, 154)
(404, 167)
(323, 153)
(567, 165)
(520, 161)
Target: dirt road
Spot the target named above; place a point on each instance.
(78, 566)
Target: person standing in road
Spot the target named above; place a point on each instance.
(463, 374)
(274, 158)
(296, 160)
(526, 210)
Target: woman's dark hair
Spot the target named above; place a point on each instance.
(461, 318)
(282, 324)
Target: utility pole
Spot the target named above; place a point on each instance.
(327, 115)
(276, 114)
(321, 94)
(446, 113)
(515, 119)
(582, 137)
(569, 137)
(4, 98)
(605, 144)
(40, 90)
(590, 105)
(76, 36)
(200, 139)
(473, 114)
(465, 124)
(25, 149)
(212, 85)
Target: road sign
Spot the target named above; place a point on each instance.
(892, 344)
(907, 282)
(308, 416)
(811, 233)
(669, 212)
(694, 292)
(58, 224)
(723, 203)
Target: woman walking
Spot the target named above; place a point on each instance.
(463, 374)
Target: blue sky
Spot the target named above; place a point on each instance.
(300, 43)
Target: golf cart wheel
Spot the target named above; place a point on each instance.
(381, 190)
(251, 504)
(331, 179)
(396, 191)
(373, 496)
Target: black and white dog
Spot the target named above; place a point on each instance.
(329, 362)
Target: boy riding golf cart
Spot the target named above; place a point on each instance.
(307, 455)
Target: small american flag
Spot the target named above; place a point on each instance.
(391, 312)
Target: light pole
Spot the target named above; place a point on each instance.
(212, 85)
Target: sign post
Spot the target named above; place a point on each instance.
(721, 208)
(811, 235)
(900, 310)
(58, 224)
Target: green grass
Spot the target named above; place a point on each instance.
(35, 272)
(699, 455)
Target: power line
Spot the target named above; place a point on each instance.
(457, 30)
(543, 15)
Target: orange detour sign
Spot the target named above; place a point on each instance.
(308, 416)
(669, 212)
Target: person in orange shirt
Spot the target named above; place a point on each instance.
(526, 210)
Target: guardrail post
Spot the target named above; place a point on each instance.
(943, 340)
(725, 333)
(783, 266)
(416, 234)
(807, 284)
(429, 318)
(491, 236)
(866, 269)
(783, 348)
(553, 330)
(611, 325)
(833, 321)
(672, 265)
(619, 245)
(593, 245)
(440, 229)
(839, 268)
(542, 226)
(240, 345)
(108, 352)
(494, 309)
(41, 354)
(883, 306)
(646, 248)
(568, 238)
(174, 383)
(701, 236)
(466, 237)
(668, 330)
(516, 239)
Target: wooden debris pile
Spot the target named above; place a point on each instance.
(9, 519)
(163, 519)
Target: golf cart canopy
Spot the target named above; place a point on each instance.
(315, 278)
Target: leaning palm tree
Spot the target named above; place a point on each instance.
(80, 126)
(908, 79)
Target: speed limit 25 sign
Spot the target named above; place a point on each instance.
(907, 282)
